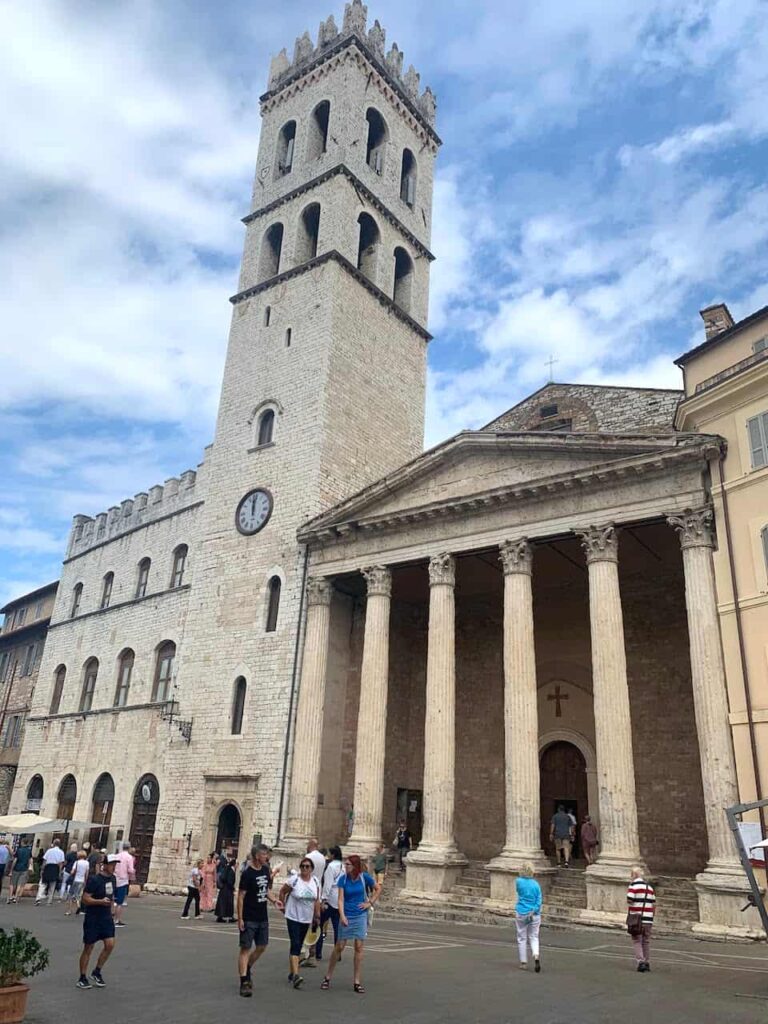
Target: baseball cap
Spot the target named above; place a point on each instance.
(113, 859)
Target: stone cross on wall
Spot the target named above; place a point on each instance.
(558, 697)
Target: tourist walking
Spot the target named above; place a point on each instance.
(53, 858)
(641, 907)
(301, 896)
(330, 899)
(98, 925)
(20, 870)
(225, 903)
(208, 888)
(69, 861)
(528, 917)
(194, 881)
(354, 904)
(590, 839)
(380, 864)
(252, 918)
(79, 876)
(125, 873)
(5, 859)
(402, 843)
(561, 833)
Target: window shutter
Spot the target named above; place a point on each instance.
(410, 191)
(289, 155)
(378, 161)
(758, 426)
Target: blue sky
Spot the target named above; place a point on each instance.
(602, 179)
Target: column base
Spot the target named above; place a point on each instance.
(607, 882)
(505, 870)
(293, 844)
(363, 846)
(433, 868)
(723, 890)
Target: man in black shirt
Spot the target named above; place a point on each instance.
(98, 925)
(252, 919)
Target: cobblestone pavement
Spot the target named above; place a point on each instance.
(166, 969)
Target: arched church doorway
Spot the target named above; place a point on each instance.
(146, 797)
(563, 774)
(101, 813)
(228, 833)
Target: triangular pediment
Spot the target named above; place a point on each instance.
(479, 463)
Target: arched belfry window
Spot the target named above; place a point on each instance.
(106, 589)
(408, 178)
(124, 671)
(401, 292)
(58, 688)
(179, 565)
(238, 705)
(142, 577)
(377, 140)
(368, 245)
(317, 143)
(77, 597)
(90, 673)
(266, 427)
(286, 144)
(161, 688)
(271, 250)
(309, 230)
(273, 603)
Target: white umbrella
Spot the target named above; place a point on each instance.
(23, 824)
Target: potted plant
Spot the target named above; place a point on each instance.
(21, 956)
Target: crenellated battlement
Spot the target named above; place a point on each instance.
(176, 494)
(305, 53)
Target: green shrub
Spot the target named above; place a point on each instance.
(21, 956)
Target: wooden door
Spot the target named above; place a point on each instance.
(142, 831)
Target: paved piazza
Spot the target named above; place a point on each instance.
(165, 969)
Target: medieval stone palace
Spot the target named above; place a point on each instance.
(323, 630)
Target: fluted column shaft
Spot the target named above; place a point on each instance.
(521, 717)
(620, 843)
(372, 713)
(309, 715)
(440, 724)
(718, 768)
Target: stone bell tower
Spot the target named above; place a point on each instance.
(323, 392)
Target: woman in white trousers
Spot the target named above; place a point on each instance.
(528, 917)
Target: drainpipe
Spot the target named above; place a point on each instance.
(742, 651)
(294, 685)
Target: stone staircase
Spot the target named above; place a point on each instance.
(567, 895)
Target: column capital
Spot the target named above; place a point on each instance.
(378, 580)
(516, 556)
(695, 527)
(442, 570)
(600, 543)
(319, 590)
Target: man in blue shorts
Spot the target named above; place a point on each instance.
(98, 925)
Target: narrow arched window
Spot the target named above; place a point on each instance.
(266, 427)
(142, 579)
(401, 292)
(271, 250)
(273, 605)
(179, 565)
(58, 688)
(317, 143)
(368, 245)
(408, 178)
(106, 590)
(309, 229)
(377, 140)
(161, 688)
(90, 673)
(77, 597)
(286, 143)
(238, 706)
(35, 791)
(124, 671)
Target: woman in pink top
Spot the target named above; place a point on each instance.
(208, 888)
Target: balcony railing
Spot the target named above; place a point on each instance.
(731, 371)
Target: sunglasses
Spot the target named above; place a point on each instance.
(306, 864)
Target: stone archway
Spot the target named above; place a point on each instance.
(568, 773)
(146, 798)
(228, 831)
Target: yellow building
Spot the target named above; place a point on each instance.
(726, 393)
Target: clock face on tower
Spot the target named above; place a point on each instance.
(254, 511)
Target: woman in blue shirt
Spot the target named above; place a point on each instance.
(528, 916)
(357, 894)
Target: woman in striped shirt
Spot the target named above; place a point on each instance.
(641, 901)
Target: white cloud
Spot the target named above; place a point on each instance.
(683, 144)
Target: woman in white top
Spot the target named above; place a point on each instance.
(78, 878)
(301, 895)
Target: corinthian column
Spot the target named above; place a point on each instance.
(620, 846)
(372, 714)
(521, 722)
(718, 769)
(309, 717)
(438, 846)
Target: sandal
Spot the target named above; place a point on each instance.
(359, 988)
(326, 984)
